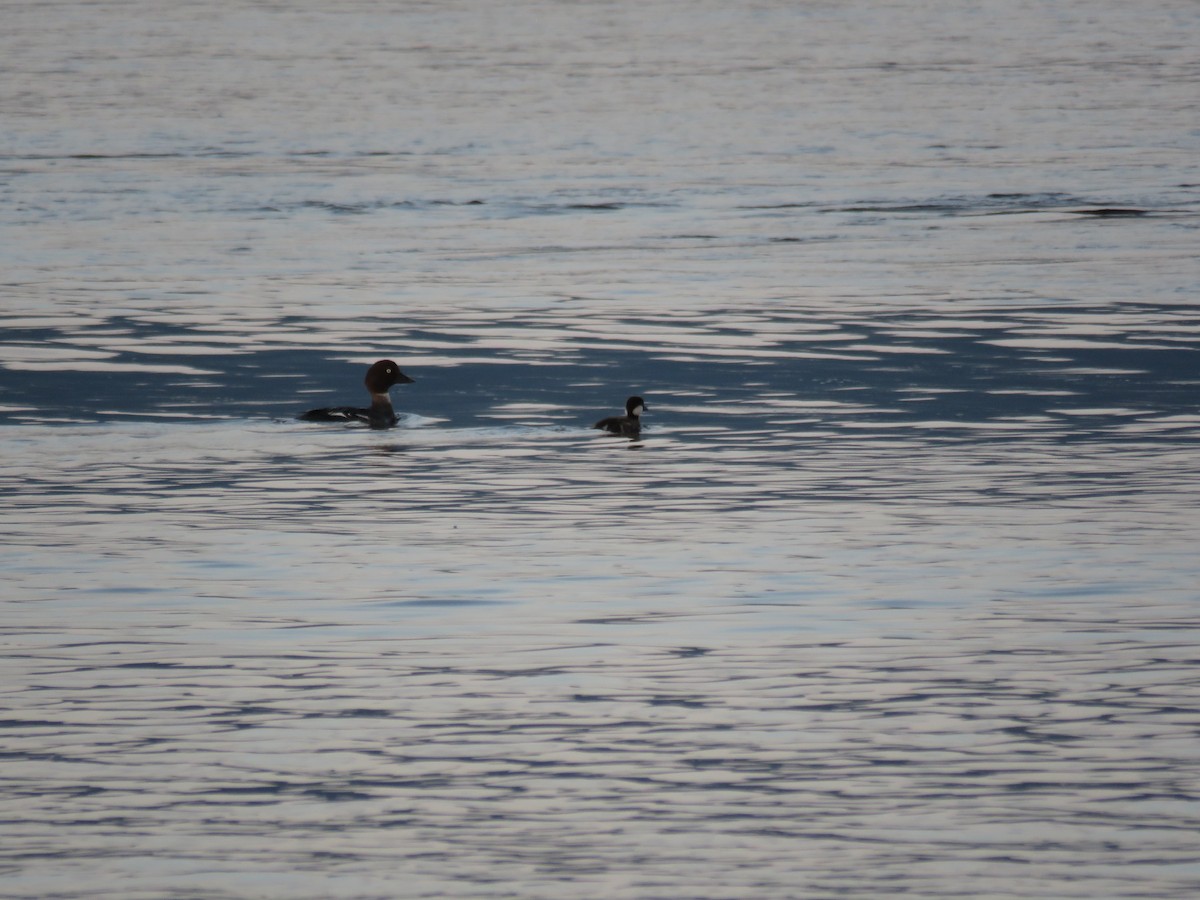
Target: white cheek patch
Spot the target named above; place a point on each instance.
(637, 410)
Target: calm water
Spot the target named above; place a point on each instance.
(896, 597)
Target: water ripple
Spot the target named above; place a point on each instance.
(895, 595)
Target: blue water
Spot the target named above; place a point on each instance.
(897, 595)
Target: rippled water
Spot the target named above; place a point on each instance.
(896, 596)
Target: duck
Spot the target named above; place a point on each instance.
(628, 425)
(380, 377)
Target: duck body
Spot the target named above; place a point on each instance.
(628, 425)
(380, 377)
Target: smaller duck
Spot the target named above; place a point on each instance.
(381, 376)
(628, 425)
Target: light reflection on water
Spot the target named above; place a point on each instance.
(920, 639)
(538, 646)
(342, 652)
(896, 595)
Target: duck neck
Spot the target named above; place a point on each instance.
(382, 415)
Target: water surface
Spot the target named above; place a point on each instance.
(896, 596)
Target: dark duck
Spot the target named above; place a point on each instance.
(628, 425)
(380, 377)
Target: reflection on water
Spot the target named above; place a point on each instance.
(895, 595)
(1022, 368)
(518, 653)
